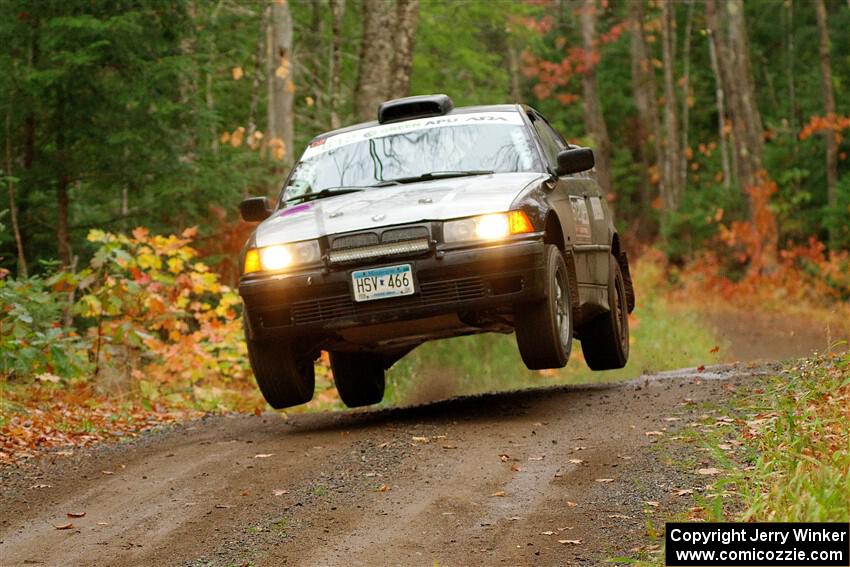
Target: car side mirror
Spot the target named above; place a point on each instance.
(255, 209)
(575, 160)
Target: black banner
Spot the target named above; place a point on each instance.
(758, 544)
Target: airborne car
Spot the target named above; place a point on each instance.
(431, 222)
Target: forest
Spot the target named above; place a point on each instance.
(702, 113)
(131, 130)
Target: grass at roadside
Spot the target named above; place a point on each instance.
(795, 432)
(664, 335)
(781, 448)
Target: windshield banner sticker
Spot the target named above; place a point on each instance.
(333, 142)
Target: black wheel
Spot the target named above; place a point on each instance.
(359, 377)
(544, 329)
(285, 377)
(605, 339)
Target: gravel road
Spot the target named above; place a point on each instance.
(557, 476)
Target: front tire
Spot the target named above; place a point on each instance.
(544, 329)
(285, 377)
(605, 339)
(359, 377)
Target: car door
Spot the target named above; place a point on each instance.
(589, 230)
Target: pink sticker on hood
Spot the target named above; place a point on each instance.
(295, 210)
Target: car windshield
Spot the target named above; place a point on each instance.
(460, 144)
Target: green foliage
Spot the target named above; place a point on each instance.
(33, 340)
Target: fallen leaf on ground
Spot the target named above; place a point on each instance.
(576, 461)
(672, 419)
(701, 368)
(504, 457)
(263, 455)
(537, 458)
(76, 514)
(515, 468)
(280, 491)
(570, 541)
(449, 446)
(224, 505)
(715, 350)
(67, 526)
(106, 472)
(710, 471)
(683, 491)
(571, 504)
(652, 503)
(604, 480)
(103, 523)
(547, 532)
(383, 488)
(500, 493)
(579, 448)
(653, 433)
(384, 444)
(619, 517)
(420, 439)
(37, 486)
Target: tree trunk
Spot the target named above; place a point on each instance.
(63, 234)
(670, 172)
(733, 62)
(405, 37)
(721, 112)
(208, 93)
(594, 121)
(257, 75)
(376, 61)
(748, 125)
(281, 88)
(829, 110)
(645, 95)
(513, 66)
(686, 95)
(13, 209)
(337, 8)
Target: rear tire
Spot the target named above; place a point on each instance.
(544, 329)
(359, 377)
(285, 377)
(605, 339)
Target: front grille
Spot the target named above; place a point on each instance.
(430, 293)
(355, 240)
(378, 251)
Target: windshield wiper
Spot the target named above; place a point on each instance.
(433, 175)
(329, 192)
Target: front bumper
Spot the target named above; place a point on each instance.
(319, 302)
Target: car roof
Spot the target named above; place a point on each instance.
(461, 110)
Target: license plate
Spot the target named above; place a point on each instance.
(381, 283)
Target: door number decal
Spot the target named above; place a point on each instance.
(581, 218)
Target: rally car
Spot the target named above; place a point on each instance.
(431, 222)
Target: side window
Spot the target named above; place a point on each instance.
(559, 140)
(550, 140)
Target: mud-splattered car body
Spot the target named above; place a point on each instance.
(432, 222)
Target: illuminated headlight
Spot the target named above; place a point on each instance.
(487, 227)
(281, 256)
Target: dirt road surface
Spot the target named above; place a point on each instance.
(498, 479)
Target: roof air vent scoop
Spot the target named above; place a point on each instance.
(410, 107)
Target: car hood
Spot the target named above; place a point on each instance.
(438, 199)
